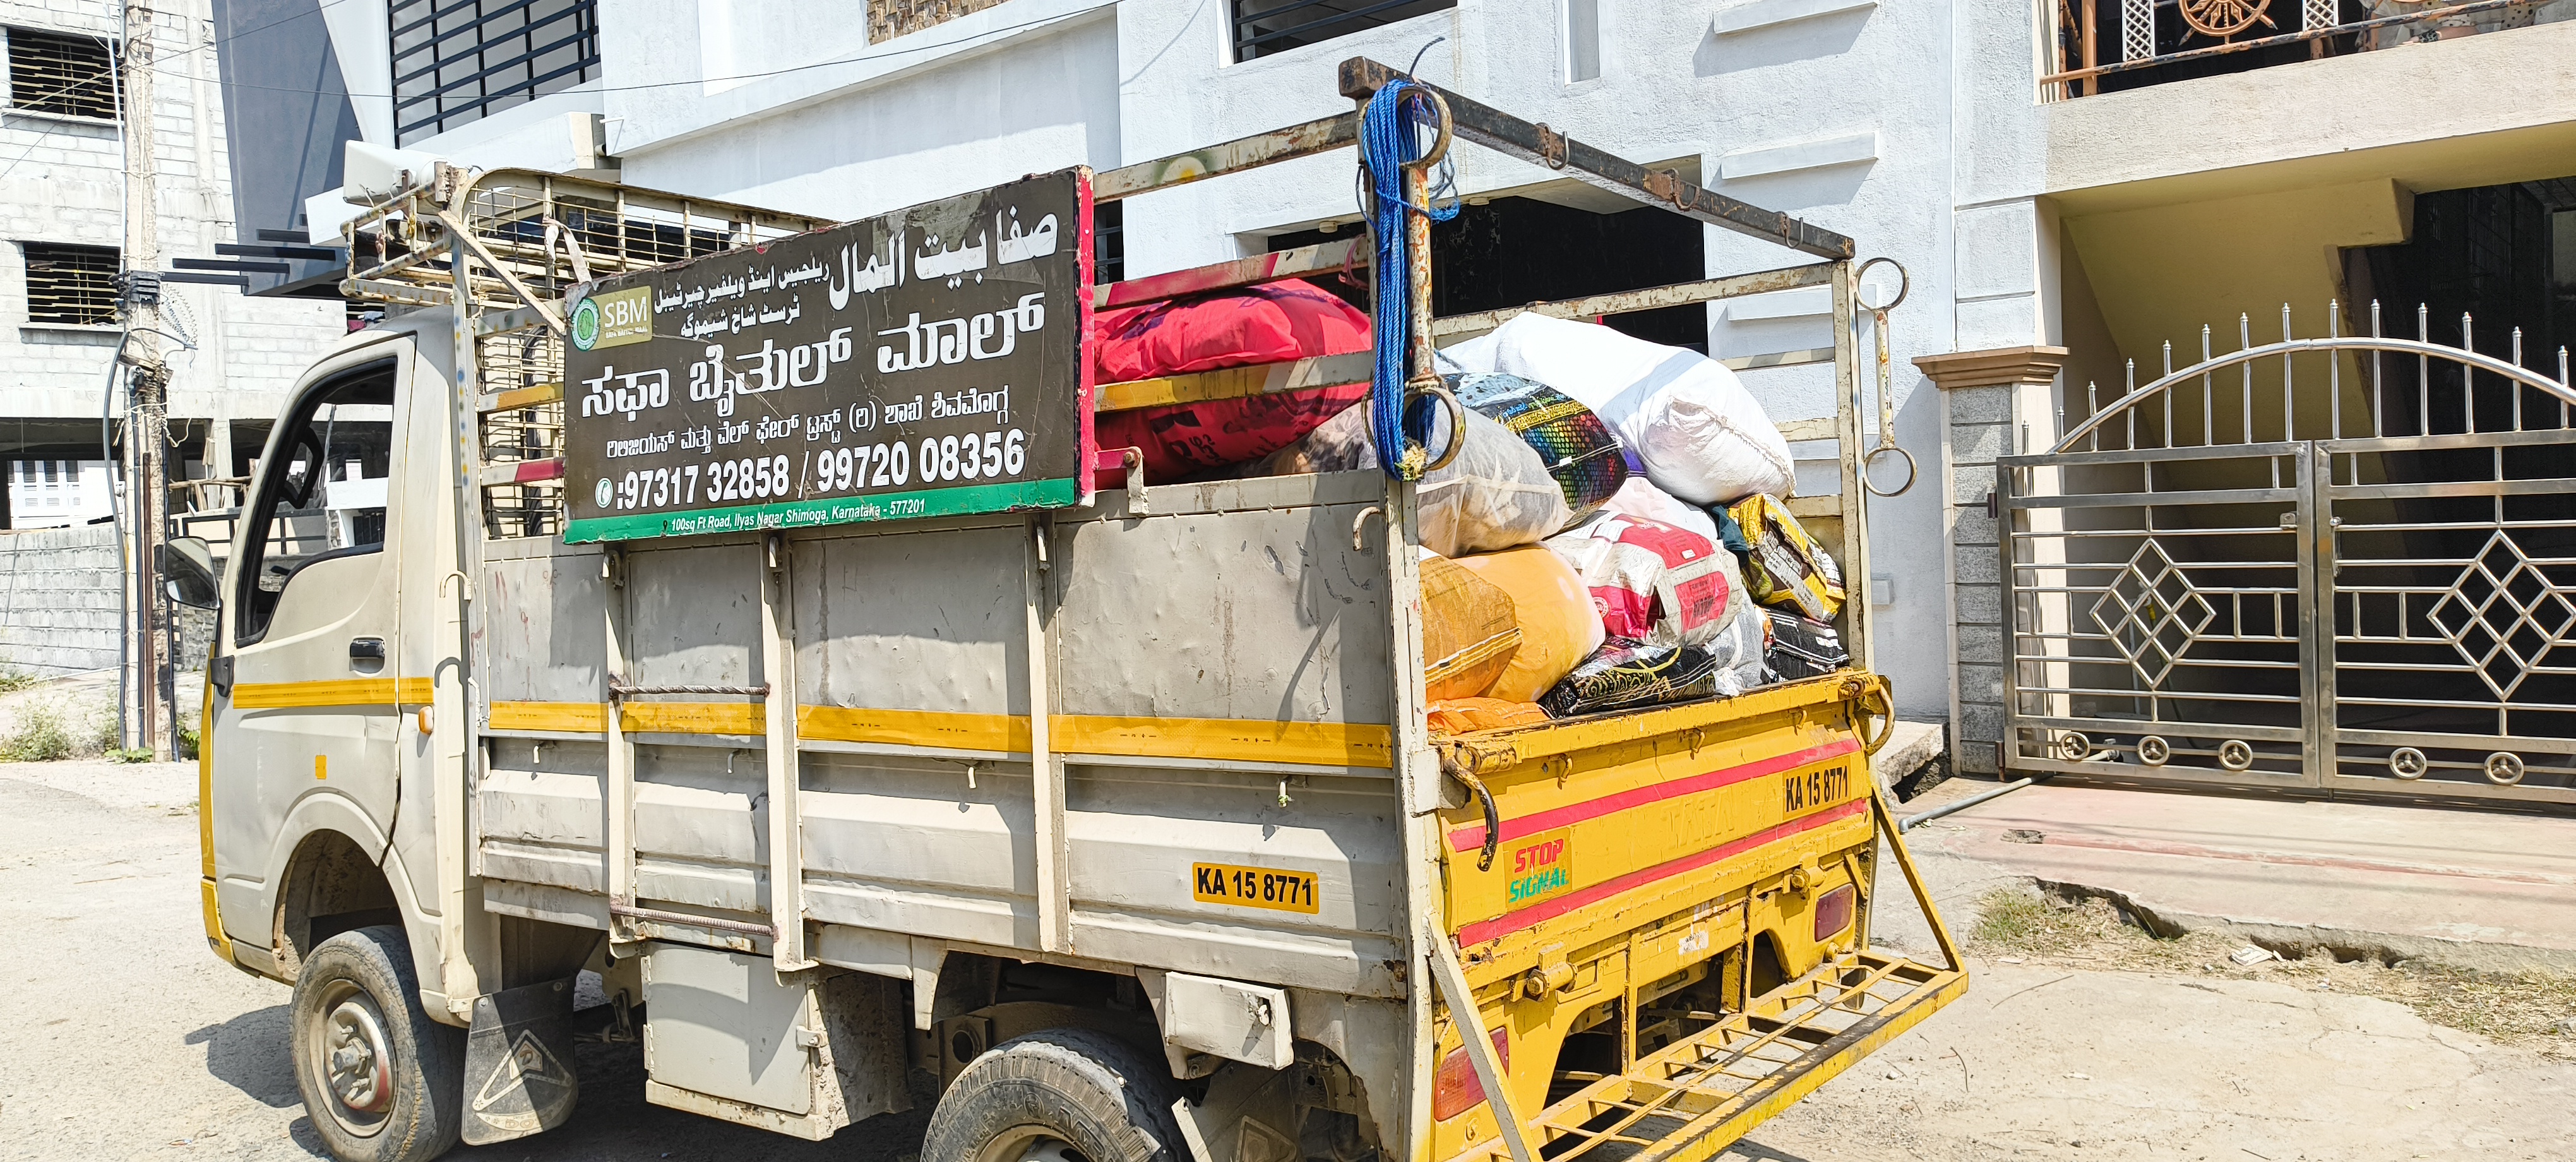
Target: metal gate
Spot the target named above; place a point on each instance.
(2325, 565)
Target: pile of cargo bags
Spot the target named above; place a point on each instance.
(1609, 536)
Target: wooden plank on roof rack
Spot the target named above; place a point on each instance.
(1277, 266)
(1801, 431)
(521, 472)
(1508, 135)
(520, 397)
(1238, 382)
(1235, 156)
(1678, 294)
(1816, 507)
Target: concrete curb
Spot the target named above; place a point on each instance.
(2344, 943)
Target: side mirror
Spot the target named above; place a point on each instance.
(189, 574)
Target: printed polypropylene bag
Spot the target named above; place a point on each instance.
(1787, 567)
(1263, 324)
(1626, 675)
(1496, 494)
(1700, 435)
(1803, 648)
(1651, 582)
(1640, 498)
(1577, 448)
(1469, 631)
(1553, 613)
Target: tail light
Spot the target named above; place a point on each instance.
(1833, 912)
(1455, 1089)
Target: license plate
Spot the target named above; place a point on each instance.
(1253, 887)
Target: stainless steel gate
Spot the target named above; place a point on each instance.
(2326, 565)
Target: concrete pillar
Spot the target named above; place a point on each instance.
(1985, 396)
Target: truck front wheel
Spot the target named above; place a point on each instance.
(1051, 1094)
(380, 1080)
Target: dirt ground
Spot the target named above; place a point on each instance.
(121, 1036)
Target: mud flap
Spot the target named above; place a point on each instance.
(519, 1077)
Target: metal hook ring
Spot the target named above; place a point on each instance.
(1553, 150)
(1872, 456)
(1439, 145)
(1904, 283)
(1457, 422)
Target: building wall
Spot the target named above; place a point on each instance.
(1918, 129)
(60, 595)
(61, 180)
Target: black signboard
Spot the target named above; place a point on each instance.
(928, 362)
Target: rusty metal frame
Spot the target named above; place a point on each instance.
(1525, 141)
(1322, 135)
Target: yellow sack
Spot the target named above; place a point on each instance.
(1468, 631)
(1553, 612)
(1787, 567)
(1469, 715)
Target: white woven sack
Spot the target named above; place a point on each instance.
(1701, 436)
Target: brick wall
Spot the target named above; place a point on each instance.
(60, 599)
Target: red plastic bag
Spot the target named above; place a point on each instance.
(1263, 324)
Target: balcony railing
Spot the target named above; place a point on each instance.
(2108, 45)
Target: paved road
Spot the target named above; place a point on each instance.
(122, 1038)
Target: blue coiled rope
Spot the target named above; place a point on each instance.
(1388, 140)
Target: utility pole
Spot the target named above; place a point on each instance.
(147, 381)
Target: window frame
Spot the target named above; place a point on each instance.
(15, 34)
(101, 314)
(251, 552)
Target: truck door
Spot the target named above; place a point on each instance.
(305, 701)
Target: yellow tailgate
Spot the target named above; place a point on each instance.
(1638, 876)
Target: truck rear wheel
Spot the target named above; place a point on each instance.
(1059, 1093)
(380, 1080)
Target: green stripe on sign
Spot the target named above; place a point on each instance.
(795, 514)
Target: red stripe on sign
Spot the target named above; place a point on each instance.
(1472, 836)
(1539, 913)
(539, 470)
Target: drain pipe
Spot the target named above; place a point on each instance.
(1907, 823)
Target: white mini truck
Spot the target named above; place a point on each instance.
(870, 756)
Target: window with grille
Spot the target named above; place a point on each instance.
(50, 72)
(70, 284)
(1263, 27)
(457, 61)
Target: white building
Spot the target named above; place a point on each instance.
(2050, 232)
(62, 213)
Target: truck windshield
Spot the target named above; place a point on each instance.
(321, 491)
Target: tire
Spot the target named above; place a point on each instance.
(1097, 1096)
(356, 1004)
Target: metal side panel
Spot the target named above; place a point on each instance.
(1259, 613)
(701, 827)
(694, 615)
(1142, 836)
(719, 1023)
(542, 640)
(920, 846)
(537, 812)
(922, 621)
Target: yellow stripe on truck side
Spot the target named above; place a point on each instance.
(223, 948)
(334, 692)
(1212, 739)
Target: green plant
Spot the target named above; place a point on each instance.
(40, 737)
(140, 754)
(13, 679)
(187, 748)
